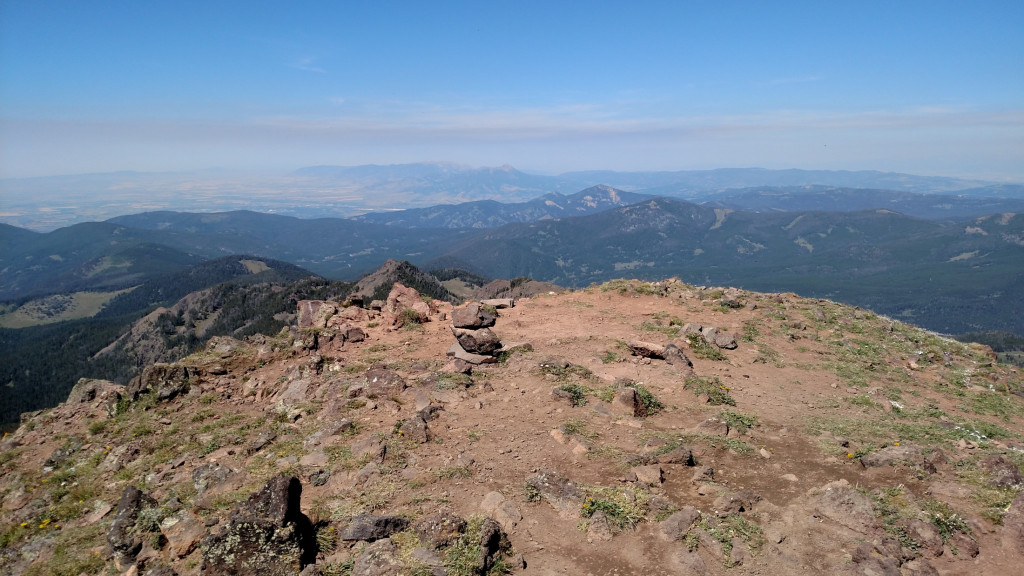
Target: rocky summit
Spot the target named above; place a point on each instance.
(629, 428)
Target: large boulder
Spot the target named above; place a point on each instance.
(167, 380)
(383, 382)
(473, 315)
(404, 305)
(314, 314)
(369, 527)
(480, 341)
(268, 534)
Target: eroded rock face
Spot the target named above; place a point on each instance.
(268, 534)
(92, 390)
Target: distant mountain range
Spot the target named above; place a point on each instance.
(963, 205)
(944, 276)
(49, 203)
(947, 275)
(489, 213)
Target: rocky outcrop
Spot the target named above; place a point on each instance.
(369, 527)
(475, 342)
(88, 390)
(404, 306)
(136, 516)
(268, 534)
(166, 380)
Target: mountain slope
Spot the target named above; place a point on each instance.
(489, 214)
(40, 364)
(377, 284)
(961, 206)
(435, 183)
(947, 277)
(332, 247)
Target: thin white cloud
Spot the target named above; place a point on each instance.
(424, 120)
(306, 64)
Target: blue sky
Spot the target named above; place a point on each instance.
(922, 87)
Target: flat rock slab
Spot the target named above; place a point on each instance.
(890, 454)
(499, 303)
(475, 359)
(369, 527)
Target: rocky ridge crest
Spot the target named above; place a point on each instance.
(701, 430)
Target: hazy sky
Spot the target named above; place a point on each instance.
(924, 87)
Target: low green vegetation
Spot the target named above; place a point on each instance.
(725, 530)
(702, 348)
(623, 507)
(716, 392)
(738, 421)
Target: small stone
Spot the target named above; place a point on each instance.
(650, 475)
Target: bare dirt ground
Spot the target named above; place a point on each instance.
(812, 393)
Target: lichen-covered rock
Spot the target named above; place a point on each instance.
(92, 390)
(125, 536)
(440, 529)
(167, 380)
(378, 559)
(370, 527)
(268, 534)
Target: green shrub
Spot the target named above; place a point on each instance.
(577, 393)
